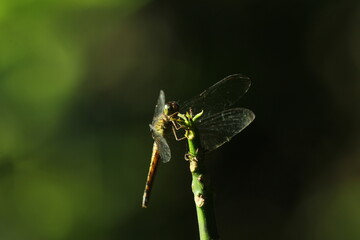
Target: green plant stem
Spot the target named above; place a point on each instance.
(203, 194)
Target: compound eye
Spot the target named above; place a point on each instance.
(174, 107)
(171, 108)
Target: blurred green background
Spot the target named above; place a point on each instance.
(79, 81)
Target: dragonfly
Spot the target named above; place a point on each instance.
(161, 149)
(217, 125)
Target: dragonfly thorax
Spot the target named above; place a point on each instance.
(162, 123)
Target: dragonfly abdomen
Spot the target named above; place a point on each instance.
(155, 156)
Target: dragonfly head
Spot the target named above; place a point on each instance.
(171, 108)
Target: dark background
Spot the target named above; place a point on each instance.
(78, 85)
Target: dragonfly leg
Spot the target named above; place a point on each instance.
(177, 127)
(175, 135)
(174, 121)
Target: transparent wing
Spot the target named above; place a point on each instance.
(159, 108)
(219, 96)
(217, 129)
(163, 147)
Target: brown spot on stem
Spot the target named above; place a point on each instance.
(193, 166)
(199, 200)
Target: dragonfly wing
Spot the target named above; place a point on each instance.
(217, 129)
(219, 96)
(163, 147)
(159, 108)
